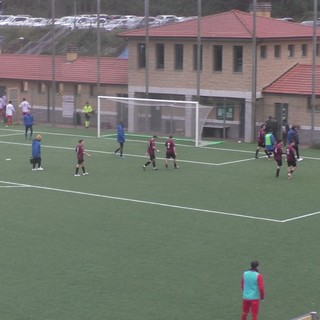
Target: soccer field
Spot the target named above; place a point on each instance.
(124, 244)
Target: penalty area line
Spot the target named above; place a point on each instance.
(144, 202)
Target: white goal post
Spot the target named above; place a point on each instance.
(183, 119)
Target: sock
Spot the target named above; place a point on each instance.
(147, 163)
(77, 170)
(154, 164)
(166, 166)
(278, 171)
(117, 150)
(83, 170)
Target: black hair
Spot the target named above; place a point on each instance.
(254, 264)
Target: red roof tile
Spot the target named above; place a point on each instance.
(83, 70)
(231, 25)
(297, 80)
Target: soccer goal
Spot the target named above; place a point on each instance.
(183, 119)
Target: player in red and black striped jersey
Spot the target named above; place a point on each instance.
(80, 158)
(171, 152)
(151, 152)
(278, 156)
(291, 159)
(261, 140)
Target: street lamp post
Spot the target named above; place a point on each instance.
(314, 54)
(53, 56)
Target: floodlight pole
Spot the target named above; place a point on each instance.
(254, 70)
(146, 18)
(53, 89)
(98, 48)
(314, 54)
(198, 49)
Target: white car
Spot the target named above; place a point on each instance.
(92, 23)
(117, 24)
(164, 19)
(36, 22)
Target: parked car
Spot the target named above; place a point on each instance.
(164, 19)
(18, 21)
(310, 23)
(116, 24)
(139, 22)
(93, 23)
(74, 22)
(36, 22)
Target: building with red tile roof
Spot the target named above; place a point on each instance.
(226, 79)
(31, 76)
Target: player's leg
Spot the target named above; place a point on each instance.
(255, 309)
(77, 167)
(166, 160)
(31, 132)
(121, 150)
(26, 129)
(245, 309)
(257, 151)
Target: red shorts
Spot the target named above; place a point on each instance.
(252, 305)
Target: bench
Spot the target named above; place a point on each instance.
(215, 130)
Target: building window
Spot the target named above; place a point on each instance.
(60, 88)
(225, 113)
(178, 56)
(290, 51)
(277, 51)
(141, 55)
(77, 89)
(217, 58)
(160, 56)
(304, 50)
(237, 58)
(41, 87)
(195, 58)
(263, 52)
(24, 86)
(316, 106)
(93, 90)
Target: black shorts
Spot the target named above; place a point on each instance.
(261, 144)
(80, 161)
(170, 155)
(292, 163)
(152, 156)
(279, 162)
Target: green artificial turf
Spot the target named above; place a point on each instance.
(124, 244)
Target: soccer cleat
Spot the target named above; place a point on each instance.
(155, 168)
(299, 159)
(177, 167)
(40, 169)
(77, 175)
(33, 169)
(122, 157)
(85, 173)
(289, 176)
(144, 168)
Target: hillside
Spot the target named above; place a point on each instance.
(85, 40)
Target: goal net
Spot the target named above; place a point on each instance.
(183, 119)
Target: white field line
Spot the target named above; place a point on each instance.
(302, 216)
(129, 155)
(141, 201)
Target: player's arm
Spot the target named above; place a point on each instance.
(261, 286)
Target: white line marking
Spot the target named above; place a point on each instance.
(302, 217)
(143, 202)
